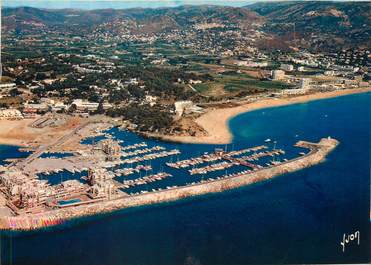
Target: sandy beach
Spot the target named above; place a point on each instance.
(215, 121)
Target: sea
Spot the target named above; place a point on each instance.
(299, 217)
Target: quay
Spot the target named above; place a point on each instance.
(144, 180)
(107, 200)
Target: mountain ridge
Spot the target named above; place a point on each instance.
(285, 23)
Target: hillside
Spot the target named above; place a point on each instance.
(151, 19)
(285, 25)
(340, 23)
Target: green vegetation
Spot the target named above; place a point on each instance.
(146, 117)
(254, 84)
(234, 82)
(201, 87)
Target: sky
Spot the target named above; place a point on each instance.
(118, 4)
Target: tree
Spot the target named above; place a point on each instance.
(14, 92)
(100, 109)
(72, 108)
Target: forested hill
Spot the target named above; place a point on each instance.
(338, 22)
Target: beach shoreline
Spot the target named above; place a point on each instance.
(215, 121)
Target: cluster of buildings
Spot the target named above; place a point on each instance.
(27, 192)
(219, 40)
(100, 182)
(111, 148)
(30, 110)
(24, 192)
(212, 38)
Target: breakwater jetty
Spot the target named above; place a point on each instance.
(56, 215)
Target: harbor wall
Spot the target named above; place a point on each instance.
(35, 221)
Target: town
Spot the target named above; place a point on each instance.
(159, 80)
(87, 101)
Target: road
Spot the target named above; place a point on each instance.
(44, 148)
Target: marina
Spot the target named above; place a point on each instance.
(278, 203)
(145, 180)
(115, 168)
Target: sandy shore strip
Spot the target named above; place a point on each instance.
(215, 121)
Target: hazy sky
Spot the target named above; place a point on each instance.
(91, 4)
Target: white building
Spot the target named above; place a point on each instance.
(34, 108)
(58, 106)
(7, 86)
(297, 91)
(287, 67)
(82, 105)
(304, 83)
(186, 106)
(191, 81)
(252, 64)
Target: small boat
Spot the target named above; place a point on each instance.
(267, 140)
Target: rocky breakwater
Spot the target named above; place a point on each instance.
(317, 153)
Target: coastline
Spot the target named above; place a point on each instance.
(215, 121)
(27, 222)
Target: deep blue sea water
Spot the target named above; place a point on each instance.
(294, 218)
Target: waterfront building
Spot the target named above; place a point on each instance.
(111, 148)
(101, 183)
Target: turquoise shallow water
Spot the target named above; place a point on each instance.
(294, 218)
